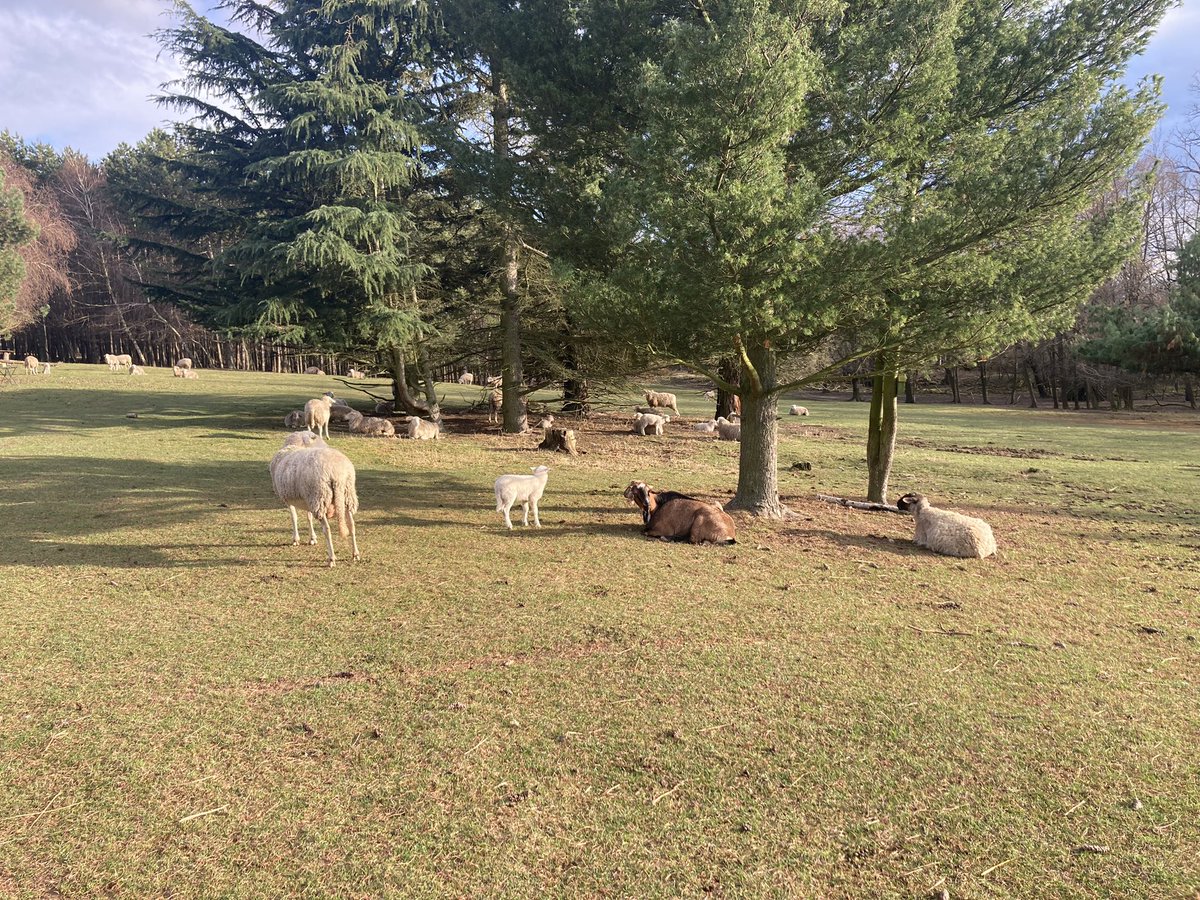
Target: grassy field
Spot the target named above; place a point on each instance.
(191, 707)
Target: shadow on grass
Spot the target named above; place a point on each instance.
(872, 543)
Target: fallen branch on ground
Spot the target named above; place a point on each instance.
(857, 504)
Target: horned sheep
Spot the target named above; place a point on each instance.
(308, 473)
(524, 489)
(670, 516)
(947, 532)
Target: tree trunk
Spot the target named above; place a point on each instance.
(402, 398)
(909, 394)
(1189, 393)
(758, 461)
(855, 390)
(559, 440)
(730, 370)
(511, 370)
(427, 381)
(983, 381)
(881, 433)
(575, 386)
(1033, 404)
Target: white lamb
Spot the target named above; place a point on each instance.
(649, 423)
(420, 430)
(355, 373)
(524, 489)
(728, 431)
(661, 398)
(946, 532)
(466, 378)
(798, 411)
(308, 473)
(31, 365)
(185, 363)
(707, 427)
(316, 414)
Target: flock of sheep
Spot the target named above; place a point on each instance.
(306, 472)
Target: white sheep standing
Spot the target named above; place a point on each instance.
(316, 414)
(122, 359)
(661, 398)
(466, 378)
(649, 423)
(707, 427)
(308, 473)
(728, 431)
(947, 532)
(798, 411)
(524, 489)
(31, 365)
(110, 360)
(355, 373)
(420, 430)
(495, 404)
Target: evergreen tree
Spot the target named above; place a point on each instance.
(15, 232)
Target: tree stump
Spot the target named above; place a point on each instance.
(559, 440)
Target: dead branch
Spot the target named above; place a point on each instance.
(858, 504)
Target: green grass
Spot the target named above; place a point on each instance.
(821, 710)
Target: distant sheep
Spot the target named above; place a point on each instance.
(316, 415)
(946, 532)
(314, 370)
(309, 474)
(466, 378)
(649, 423)
(110, 360)
(31, 365)
(122, 359)
(495, 404)
(355, 373)
(710, 395)
(45, 368)
(421, 430)
(136, 370)
(176, 372)
(661, 399)
(546, 422)
(190, 373)
(798, 411)
(524, 489)
(185, 363)
(728, 431)
(369, 426)
(707, 427)
(294, 419)
(676, 517)
(385, 407)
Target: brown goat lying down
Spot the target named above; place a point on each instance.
(676, 517)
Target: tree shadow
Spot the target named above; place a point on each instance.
(873, 543)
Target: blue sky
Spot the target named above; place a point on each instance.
(82, 72)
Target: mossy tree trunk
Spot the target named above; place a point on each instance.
(881, 431)
(758, 461)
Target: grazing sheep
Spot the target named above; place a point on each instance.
(185, 363)
(946, 532)
(316, 414)
(355, 373)
(661, 398)
(466, 378)
(136, 370)
(45, 370)
(649, 423)
(495, 404)
(294, 419)
(420, 430)
(798, 411)
(524, 489)
(728, 431)
(369, 426)
(677, 517)
(308, 473)
(122, 359)
(190, 373)
(31, 365)
(707, 427)
(314, 370)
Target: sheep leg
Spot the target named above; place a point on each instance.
(312, 532)
(536, 520)
(328, 540)
(295, 527)
(525, 507)
(353, 536)
(507, 520)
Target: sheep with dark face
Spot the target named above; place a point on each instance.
(670, 516)
(947, 532)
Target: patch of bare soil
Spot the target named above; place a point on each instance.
(1015, 452)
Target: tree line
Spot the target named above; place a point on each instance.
(771, 193)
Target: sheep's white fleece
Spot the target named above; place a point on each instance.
(728, 431)
(308, 473)
(947, 532)
(524, 489)
(798, 411)
(420, 430)
(316, 414)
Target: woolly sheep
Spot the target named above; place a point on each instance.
(524, 489)
(385, 407)
(661, 398)
(648, 423)
(420, 430)
(707, 427)
(316, 414)
(31, 365)
(369, 426)
(45, 370)
(190, 373)
(728, 431)
(294, 419)
(355, 373)
(314, 370)
(798, 411)
(466, 378)
(185, 363)
(946, 532)
(339, 410)
(122, 359)
(547, 422)
(136, 370)
(308, 473)
(110, 360)
(495, 404)
(677, 517)
(176, 372)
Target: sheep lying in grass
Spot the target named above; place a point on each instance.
(524, 489)
(710, 395)
(189, 373)
(308, 473)
(316, 414)
(798, 411)
(136, 370)
(294, 419)
(176, 372)
(466, 378)
(368, 426)
(661, 399)
(649, 423)
(420, 430)
(946, 532)
(385, 407)
(185, 363)
(728, 431)
(676, 517)
(707, 427)
(31, 365)
(314, 370)
(495, 404)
